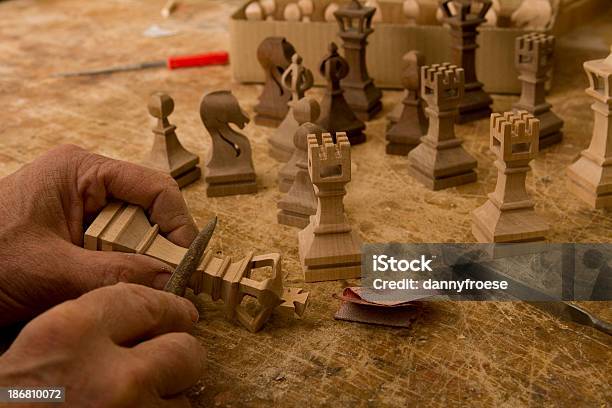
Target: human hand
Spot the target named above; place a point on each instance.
(43, 208)
(120, 346)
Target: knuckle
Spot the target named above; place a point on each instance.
(117, 273)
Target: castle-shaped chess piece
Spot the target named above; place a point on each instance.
(300, 203)
(406, 134)
(361, 94)
(534, 60)
(296, 80)
(590, 177)
(229, 168)
(440, 161)
(336, 114)
(464, 19)
(274, 55)
(329, 248)
(509, 215)
(167, 154)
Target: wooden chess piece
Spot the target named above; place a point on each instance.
(590, 177)
(292, 12)
(167, 154)
(269, 8)
(296, 80)
(306, 110)
(406, 134)
(330, 11)
(254, 11)
(533, 15)
(307, 8)
(464, 20)
(412, 11)
(361, 94)
(440, 161)
(378, 15)
(329, 248)
(229, 168)
(509, 215)
(274, 55)
(336, 114)
(534, 60)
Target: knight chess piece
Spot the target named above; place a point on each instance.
(274, 55)
(534, 60)
(406, 134)
(336, 115)
(440, 161)
(509, 215)
(229, 168)
(167, 154)
(329, 248)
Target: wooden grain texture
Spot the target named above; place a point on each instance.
(455, 354)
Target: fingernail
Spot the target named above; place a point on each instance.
(159, 282)
(193, 312)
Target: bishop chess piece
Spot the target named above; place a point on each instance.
(229, 168)
(167, 154)
(296, 80)
(590, 177)
(534, 60)
(440, 161)
(362, 95)
(406, 134)
(509, 215)
(336, 114)
(329, 248)
(464, 19)
(274, 55)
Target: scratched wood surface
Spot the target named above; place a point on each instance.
(456, 354)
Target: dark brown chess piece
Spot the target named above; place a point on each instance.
(336, 114)
(274, 55)
(229, 168)
(464, 19)
(361, 94)
(406, 134)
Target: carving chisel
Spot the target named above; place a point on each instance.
(575, 314)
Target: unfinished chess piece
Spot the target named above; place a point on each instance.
(329, 248)
(306, 110)
(412, 11)
(361, 94)
(167, 154)
(330, 12)
(533, 15)
(229, 169)
(590, 177)
(509, 215)
(254, 12)
(274, 55)
(307, 9)
(406, 134)
(534, 60)
(296, 80)
(292, 12)
(440, 161)
(336, 114)
(464, 23)
(269, 8)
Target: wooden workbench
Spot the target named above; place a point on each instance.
(476, 354)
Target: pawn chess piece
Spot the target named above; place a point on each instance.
(330, 11)
(296, 80)
(534, 60)
(269, 8)
(406, 134)
(306, 110)
(167, 154)
(229, 168)
(329, 248)
(509, 215)
(274, 55)
(533, 15)
(254, 11)
(307, 9)
(412, 11)
(292, 12)
(440, 161)
(336, 114)
(590, 177)
(378, 17)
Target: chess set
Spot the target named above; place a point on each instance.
(313, 141)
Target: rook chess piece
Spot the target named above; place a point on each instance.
(534, 60)
(296, 80)
(440, 161)
(406, 134)
(229, 169)
(167, 154)
(509, 215)
(329, 248)
(464, 19)
(590, 177)
(274, 55)
(336, 114)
